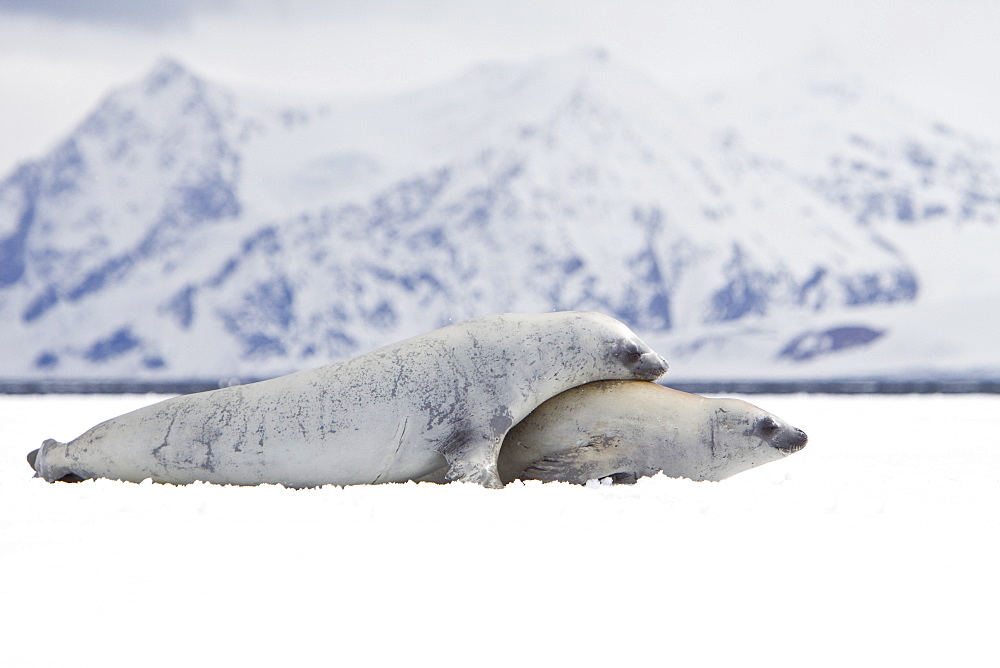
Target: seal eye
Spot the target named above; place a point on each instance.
(767, 426)
(632, 354)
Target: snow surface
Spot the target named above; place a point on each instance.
(877, 544)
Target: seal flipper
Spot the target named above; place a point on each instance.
(439, 476)
(48, 473)
(69, 477)
(622, 478)
(558, 467)
(592, 461)
(471, 457)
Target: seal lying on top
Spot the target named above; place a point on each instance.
(443, 399)
(627, 429)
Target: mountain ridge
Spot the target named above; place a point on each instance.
(182, 231)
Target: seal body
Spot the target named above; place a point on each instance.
(446, 398)
(627, 429)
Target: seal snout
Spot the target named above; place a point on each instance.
(651, 365)
(796, 440)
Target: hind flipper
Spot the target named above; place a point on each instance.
(44, 467)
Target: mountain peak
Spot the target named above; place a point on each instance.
(165, 73)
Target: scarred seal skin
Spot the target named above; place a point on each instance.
(627, 429)
(443, 399)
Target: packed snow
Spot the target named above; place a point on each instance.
(877, 544)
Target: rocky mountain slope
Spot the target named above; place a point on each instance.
(799, 228)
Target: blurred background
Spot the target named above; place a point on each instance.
(772, 194)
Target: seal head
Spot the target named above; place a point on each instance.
(779, 435)
(643, 362)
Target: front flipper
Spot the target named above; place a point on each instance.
(471, 457)
(439, 476)
(592, 461)
(622, 478)
(559, 467)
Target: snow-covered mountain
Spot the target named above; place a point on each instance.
(799, 228)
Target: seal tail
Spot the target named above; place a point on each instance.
(33, 462)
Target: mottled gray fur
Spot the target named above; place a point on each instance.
(443, 399)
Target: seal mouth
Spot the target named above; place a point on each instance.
(797, 441)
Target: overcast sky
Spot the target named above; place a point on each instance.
(59, 57)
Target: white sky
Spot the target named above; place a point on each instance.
(59, 57)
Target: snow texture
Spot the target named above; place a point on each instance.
(877, 544)
(802, 227)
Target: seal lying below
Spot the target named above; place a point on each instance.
(628, 429)
(443, 399)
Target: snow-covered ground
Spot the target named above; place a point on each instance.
(878, 544)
